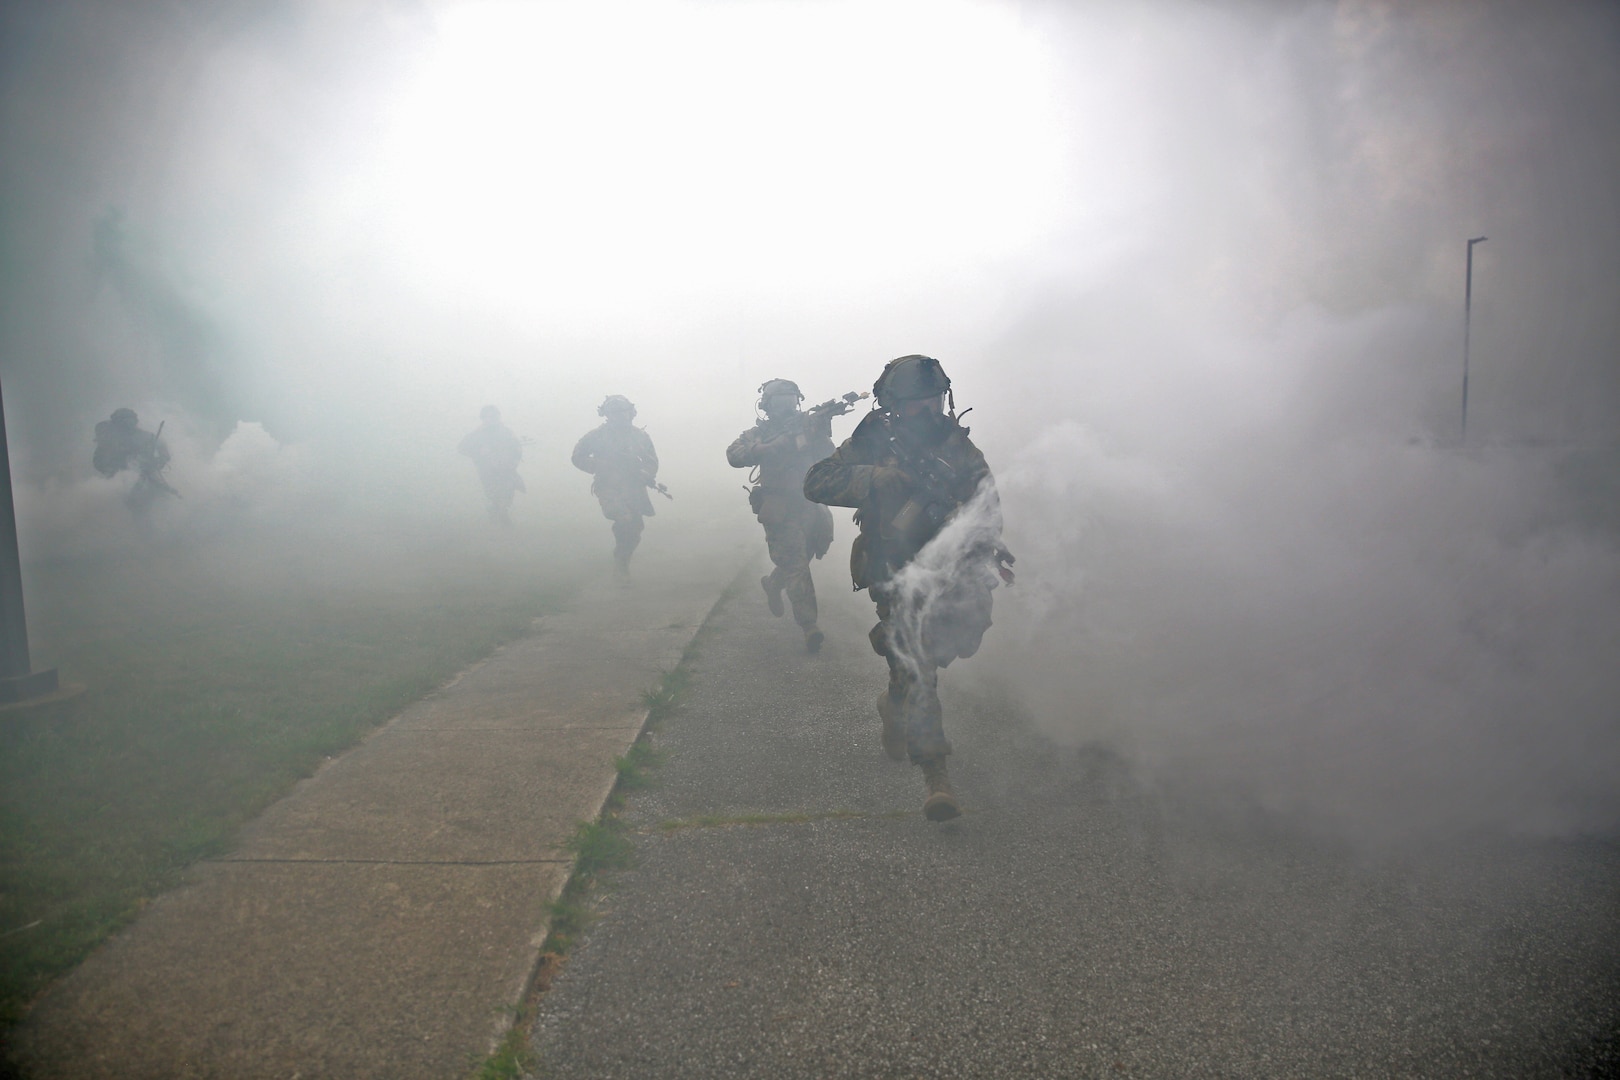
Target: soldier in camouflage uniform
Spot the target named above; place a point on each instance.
(621, 458)
(495, 453)
(122, 444)
(909, 469)
(782, 447)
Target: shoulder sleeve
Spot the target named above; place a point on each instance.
(845, 478)
(744, 450)
(584, 457)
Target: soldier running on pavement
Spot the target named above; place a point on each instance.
(782, 447)
(495, 453)
(621, 458)
(929, 550)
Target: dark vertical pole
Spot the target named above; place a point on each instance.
(13, 621)
(18, 683)
(1468, 313)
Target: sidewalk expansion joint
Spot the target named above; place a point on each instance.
(405, 862)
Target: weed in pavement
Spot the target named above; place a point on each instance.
(600, 847)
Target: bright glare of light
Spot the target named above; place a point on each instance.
(581, 157)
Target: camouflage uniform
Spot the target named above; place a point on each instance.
(495, 453)
(929, 615)
(783, 446)
(621, 458)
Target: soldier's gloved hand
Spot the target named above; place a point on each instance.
(890, 481)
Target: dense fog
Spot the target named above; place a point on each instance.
(1198, 269)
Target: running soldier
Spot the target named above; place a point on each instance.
(929, 550)
(122, 444)
(621, 458)
(495, 453)
(782, 447)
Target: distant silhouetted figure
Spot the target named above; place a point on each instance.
(781, 447)
(122, 445)
(621, 458)
(495, 453)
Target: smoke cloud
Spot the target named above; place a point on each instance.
(1197, 267)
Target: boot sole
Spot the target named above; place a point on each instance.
(941, 807)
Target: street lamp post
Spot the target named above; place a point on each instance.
(1468, 311)
(18, 681)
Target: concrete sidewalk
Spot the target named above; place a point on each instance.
(384, 918)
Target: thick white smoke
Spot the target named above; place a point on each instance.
(1380, 638)
(248, 480)
(940, 600)
(1199, 266)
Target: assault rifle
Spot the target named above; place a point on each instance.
(837, 406)
(150, 469)
(820, 417)
(661, 489)
(934, 499)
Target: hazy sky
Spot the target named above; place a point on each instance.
(1198, 267)
(401, 210)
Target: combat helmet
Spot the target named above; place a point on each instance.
(124, 418)
(779, 388)
(489, 414)
(616, 403)
(908, 378)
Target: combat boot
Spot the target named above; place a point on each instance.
(773, 596)
(813, 637)
(891, 707)
(941, 804)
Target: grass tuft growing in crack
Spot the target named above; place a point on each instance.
(635, 767)
(600, 848)
(671, 685)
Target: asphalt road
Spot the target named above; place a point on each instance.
(793, 915)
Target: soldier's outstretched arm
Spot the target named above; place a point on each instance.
(744, 450)
(845, 479)
(583, 459)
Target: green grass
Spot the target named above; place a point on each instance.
(635, 767)
(599, 848)
(215, 680)
(661, 698)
